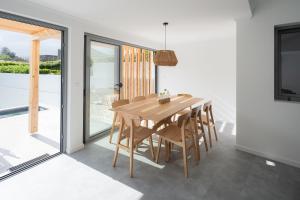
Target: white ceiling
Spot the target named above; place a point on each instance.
(188, 19)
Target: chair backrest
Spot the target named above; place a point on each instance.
(196, 111)
(207, 106)
(186, 95)
(120, 103)
(131, 121)
(152, 95)
(138, 98)
(183, 120)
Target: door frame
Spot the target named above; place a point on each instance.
(88, 37)
(63, 84)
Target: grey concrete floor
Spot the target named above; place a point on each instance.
(223, 173)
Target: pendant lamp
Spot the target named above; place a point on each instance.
(165, 57)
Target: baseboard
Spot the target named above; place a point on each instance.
(269, 156)
(74, 149)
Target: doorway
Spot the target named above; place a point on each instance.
(102, 85)
(33, 88)
(113, 70)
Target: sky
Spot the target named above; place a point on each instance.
(20, 44)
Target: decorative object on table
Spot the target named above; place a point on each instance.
(164, 97)
(165, 57)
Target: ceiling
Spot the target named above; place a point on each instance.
(188, 19)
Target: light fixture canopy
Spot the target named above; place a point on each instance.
(165, 57)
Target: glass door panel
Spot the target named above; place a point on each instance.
(103, 86)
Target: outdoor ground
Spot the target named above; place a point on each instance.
(18, 146)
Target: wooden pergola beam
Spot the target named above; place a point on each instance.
(46, 34)
(36, 32)
(34, 86)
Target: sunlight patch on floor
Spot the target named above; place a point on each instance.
(143, 154)
(69, 178)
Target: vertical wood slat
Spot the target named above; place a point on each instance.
(137, 72)
(131, 73)
(150, 71)
(127, 73)
(34, 87)
(124, 73)
(143, 72)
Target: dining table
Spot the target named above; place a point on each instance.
(151, 109)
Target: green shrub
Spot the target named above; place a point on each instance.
(49, 67)
(21, 69)
(52, 65)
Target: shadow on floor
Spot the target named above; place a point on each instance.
(223, 172)
(4, 164)
(46, 140)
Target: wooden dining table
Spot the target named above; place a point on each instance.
(151, 109)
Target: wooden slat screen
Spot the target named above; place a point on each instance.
(137, 72)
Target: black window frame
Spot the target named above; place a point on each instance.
(278, 30)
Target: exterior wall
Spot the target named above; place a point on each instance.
(14, 90)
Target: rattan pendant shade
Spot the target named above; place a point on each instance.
(165, 57)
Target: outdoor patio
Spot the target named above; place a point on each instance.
(18, 145)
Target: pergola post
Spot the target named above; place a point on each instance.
(34, 87)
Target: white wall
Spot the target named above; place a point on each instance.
(76, 28)
(14, 90)
(264, 126)
(206, 68)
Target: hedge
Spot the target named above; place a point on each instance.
(49, 67)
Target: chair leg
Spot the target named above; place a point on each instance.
(205, 142)
(185, 165)
(117, 146)
(167, 157)
(131, 157)
(196, 147)
(127, 142)
(209, 136)
(170, 146)
(151, 148)
(215, 132)
(112, 127)
(158, 150)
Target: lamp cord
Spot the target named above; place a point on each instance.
(165, 36)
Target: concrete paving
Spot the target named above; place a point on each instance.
(17, 145)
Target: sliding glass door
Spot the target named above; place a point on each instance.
(102, 85)
(113, 70)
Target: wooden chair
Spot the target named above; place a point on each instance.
(208, 120)
(185, 110)
(177, 134)
(116, 121)
(151, 96)
(138, 98)
(136, 135)
(199, 131)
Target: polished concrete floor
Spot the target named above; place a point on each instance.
(223, 173)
